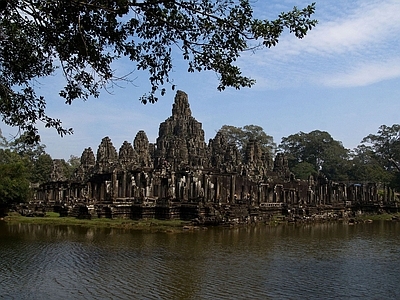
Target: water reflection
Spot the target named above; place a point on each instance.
(327, 260)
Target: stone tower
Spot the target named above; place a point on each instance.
(107, 156)
(128, 158)
(142, 148)
(180, 141)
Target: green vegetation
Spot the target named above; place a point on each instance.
(379, 155)
(376, 159)
(23, 165)
(52, 218)
(14, 178)
(154, 225)
(316, 152)
(377, 217)
(240, 136)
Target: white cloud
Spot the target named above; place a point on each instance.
(353, 45)
(367, 26)
(364, 74)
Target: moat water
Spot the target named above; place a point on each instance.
(321, 261)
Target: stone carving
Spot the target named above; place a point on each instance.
(224, 157)
(128, 158)
(57, 173)
(180, 139)
(106, 156)
(181, 109)
(142, 148)
(87, 159)
(281, 166)
(253, 162)
(85, 169)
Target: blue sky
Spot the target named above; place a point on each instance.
(343, 78)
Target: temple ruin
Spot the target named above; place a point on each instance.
(181, 176)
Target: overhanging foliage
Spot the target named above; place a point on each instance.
(84, 38)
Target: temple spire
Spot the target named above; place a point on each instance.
(181, 106)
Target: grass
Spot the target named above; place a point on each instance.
(151, 225)
(377, 217)
(52, 218)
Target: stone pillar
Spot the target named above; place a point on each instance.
(233, 188)
(59, 193)
(187, 189)
(90, 190)
(123, 185)
(217, 190)
(161, 190)
(205, 186)
(114, 186)
(103, 191)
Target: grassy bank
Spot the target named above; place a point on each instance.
(153, 225)
(377, 217)
(51, 218)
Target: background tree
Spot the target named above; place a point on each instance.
(14, 178)
(84, 38)
(42, 168)
(303, 170)
(23, 147)
(385, 145)
(376, 158)
(240, 136)
(3, 140)
(72, 164)
(366, 167)
(309, 153)
(38, 163)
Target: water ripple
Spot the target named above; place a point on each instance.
(329, 262)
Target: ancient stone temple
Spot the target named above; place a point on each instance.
(182, 176)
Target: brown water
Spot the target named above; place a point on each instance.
(323, 261)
